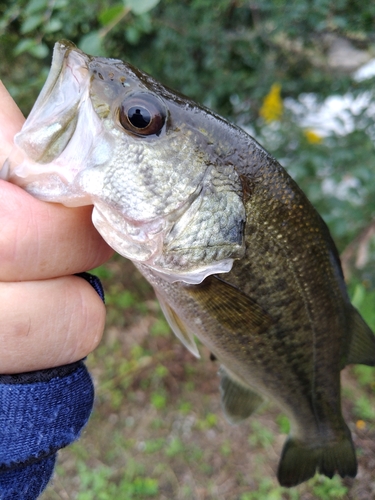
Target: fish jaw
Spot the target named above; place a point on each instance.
(57, 140)
(162, 245)
(144, 243)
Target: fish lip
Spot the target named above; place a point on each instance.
(42, 125)
(61, 52)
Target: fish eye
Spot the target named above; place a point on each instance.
(143, 114)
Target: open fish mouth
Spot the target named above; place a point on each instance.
(60, 131)
(53, 119)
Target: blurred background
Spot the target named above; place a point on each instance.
(299, 77)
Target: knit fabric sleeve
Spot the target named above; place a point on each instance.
(40, 412)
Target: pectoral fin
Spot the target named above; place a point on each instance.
(230, 307)
(362, 346)
(238, 401)
(179, 328)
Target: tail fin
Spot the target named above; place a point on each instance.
(299, 463)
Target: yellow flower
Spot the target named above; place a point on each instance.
(360, 424)
(312, 137)
(272, 107)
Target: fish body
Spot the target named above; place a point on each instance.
(237, 255)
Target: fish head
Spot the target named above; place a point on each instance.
(156, 166)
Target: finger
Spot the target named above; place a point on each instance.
(41, 240)
(57, 322)
(11, 120)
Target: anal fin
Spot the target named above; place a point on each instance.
(238, 401)
(362, 347)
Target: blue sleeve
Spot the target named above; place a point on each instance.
(41, 412)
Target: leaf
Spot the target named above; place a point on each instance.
(31, 23)
(92, 43)
(108, 15)
(52, 26)
(39, 50)
(35, 6)
(359, 295)
(60, 4)
(23, 46)
(141, 6)
(132, 35)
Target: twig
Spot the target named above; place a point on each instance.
(358, 249)
(104, 31)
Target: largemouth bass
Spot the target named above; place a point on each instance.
(237, 255)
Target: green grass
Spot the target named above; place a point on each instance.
(100, 484)
(328, 489)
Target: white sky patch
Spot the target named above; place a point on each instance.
(335, 114)
(348, 189)
(365, 72)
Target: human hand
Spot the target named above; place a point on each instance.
(48, 317)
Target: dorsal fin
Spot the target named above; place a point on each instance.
(179, 328)
(362, 346)
(238, 402)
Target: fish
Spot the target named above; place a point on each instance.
(237, 255)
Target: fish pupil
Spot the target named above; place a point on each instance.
(142, 114)
(139, 117)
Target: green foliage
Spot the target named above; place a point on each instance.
(284, 424)
(328, 489)
(260, 436)
(208, 422)
(123, 300)
(364, 300)
(185, 407)
(365, 375)
(267, 490)
(103, 272)
(160, 327)
(222, 51)
(364, 408)
(174, 447)
(154, 445)
(158, 400)
(99, 484)
(226, 449)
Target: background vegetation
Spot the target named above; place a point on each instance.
(157, 430)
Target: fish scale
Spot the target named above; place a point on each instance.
(308, 282)
(237, 255)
